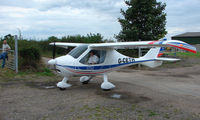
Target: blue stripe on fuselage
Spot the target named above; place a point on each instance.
(103, 66)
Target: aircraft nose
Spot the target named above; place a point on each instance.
(52, 62)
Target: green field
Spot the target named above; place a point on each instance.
(188, 54)
(184, 54)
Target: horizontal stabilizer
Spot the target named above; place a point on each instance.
(152, 64)
(167, 59)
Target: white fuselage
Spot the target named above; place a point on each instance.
(69, 66)
(79, 61)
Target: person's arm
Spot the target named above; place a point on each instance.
(89, 60)
(7, 47)
(96, 59)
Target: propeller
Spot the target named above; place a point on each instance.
(53, 61)
(54, 50)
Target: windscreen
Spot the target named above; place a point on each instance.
(77, 51)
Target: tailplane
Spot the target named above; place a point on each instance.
(154, 60)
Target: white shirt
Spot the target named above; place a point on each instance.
(5, 47)
(93, 59)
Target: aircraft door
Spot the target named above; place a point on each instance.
(94, 57)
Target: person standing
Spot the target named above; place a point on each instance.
(4, 54)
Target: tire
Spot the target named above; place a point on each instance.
(106, 89)
(62, 89)
(86, 82)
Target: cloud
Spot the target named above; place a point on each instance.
(182, 16)
(43, 18)
(63, 20)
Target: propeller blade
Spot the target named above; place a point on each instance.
(54, 50)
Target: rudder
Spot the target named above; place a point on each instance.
(152, 54)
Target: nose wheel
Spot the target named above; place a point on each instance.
(63, 84)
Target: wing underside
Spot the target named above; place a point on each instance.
(132, 45)
(145, 44)
(66, 45)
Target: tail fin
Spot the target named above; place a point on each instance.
(162, 49)
(152, 54)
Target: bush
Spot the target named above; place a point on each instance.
(29, 58)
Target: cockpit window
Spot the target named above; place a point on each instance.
(77, 51)
(94, 57)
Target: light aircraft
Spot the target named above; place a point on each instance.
(75, 62)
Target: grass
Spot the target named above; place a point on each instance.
(185, 54)
(188, 54)
(152, 113)
(187, 59)
(100, 112)
(45, 72)
(112, 112)
(7, 73)
(140, 116)
(167, 116)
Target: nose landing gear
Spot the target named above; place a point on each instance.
(63, 84)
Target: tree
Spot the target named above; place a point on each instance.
(9, 36)
(143, 20)
(52, 39)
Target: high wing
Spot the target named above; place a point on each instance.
(66, 45)
(159, 43)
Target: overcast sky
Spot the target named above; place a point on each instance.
(43, 18)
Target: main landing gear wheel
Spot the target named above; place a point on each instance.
(106, 85)
(106, 89)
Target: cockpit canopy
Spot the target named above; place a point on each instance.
(79, 50)
(76, 52)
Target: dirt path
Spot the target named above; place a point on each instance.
(158, 94)
(181, 86)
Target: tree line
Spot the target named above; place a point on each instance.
(142, 20)
(30, 51)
